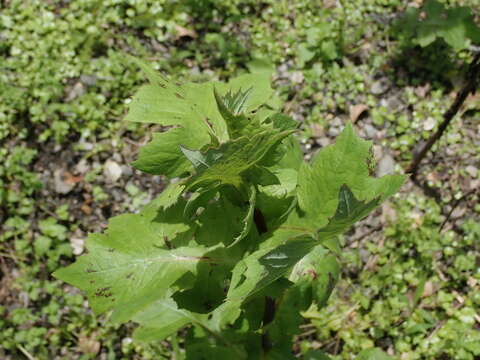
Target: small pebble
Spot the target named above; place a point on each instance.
(386, 165)
(380, 87)
(472, 171)
(429, 124)
(112, 171)
(370, 131)
(62, 186)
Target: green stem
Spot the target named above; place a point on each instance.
(176, 349)
(270, 308)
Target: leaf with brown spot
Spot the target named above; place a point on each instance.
(135, 273)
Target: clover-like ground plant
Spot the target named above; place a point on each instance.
(244, 238)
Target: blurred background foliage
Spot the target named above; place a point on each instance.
(411, 276)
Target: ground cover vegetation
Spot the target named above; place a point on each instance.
(409, 281)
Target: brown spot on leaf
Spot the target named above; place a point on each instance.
(208, 305)
(180, 96)
(371, 162)
(104, 292)
(207, 120)
(167, 242)
(313, 274)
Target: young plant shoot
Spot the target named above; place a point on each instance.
(244, 238)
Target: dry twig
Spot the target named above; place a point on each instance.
(471, 82)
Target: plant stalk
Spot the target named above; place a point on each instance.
(270, 308)
(470, 87)
(176, 348)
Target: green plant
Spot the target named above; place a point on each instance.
(322, 42)
(245, 240)
(410, 292)
(455, 25)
